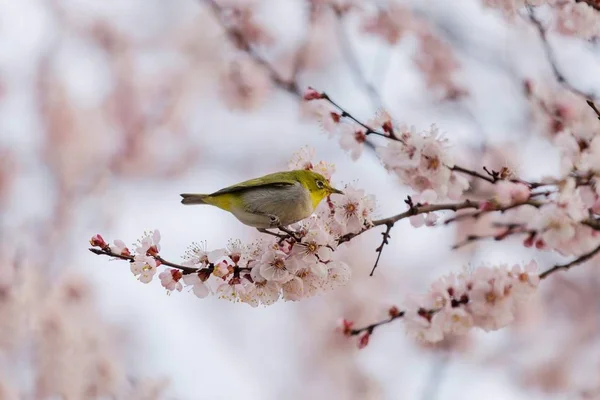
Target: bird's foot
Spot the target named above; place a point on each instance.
(291, 233)
(268, 232)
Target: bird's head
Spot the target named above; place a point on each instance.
(317, 185)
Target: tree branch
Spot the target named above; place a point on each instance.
(237, 37)
(397, 314)
(353, 63)
(379, 250)
(581, 259)
(414, 210)
(107, 252)
(560, 77)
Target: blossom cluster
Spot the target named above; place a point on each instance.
(290, 266)
(422, 161)
(485, 298)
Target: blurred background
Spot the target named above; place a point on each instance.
(109, 109)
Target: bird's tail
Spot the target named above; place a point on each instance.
(190, 198)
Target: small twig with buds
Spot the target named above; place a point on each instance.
(416, 209)
(345, 114)
(379, 250)
(395, 313)
(106, 251)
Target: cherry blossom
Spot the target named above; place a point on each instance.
(199, 288)
(170, 279)
(352, 210)
(485, 298)
(423, 162)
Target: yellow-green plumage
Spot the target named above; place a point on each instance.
(277, 199)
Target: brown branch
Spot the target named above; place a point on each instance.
(473, 173)
(368, 129)
(379, 250)
(559, 76)
(508, 231)
(593, 106)
(478, 214)
(237, 37)
(353, 63)
(370, 328)
(107, 252)
(579, 260)
(414, 210)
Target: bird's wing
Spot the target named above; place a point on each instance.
(278, 179)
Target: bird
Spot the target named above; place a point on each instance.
(272, 201)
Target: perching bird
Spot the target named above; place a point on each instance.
(271, 201)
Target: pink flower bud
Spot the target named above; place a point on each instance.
(98, 241)
(312, 94)
(364, 340)
(394, 312)
(347, 327)
(487, 206)
(152, 251)
(176, 274)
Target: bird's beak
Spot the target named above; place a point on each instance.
(334, 190)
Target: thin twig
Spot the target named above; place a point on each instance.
(379, 250)
(415, 210)
(108, 252)
(478, 214)
(560, 77)
(593, 106)
(345, 114)
(237, 37)
(581, 259)
(370, 328)
(473, 173)
(353, 63)
(509, 231)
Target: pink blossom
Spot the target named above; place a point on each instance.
(390, 24)
(352, 209)
(293, 290)
(578, 19)
(486, 298)
(324, 168)
(170, 279)
(245, 85)
(199, 288)
(302, 159)
(423, 162)
(274, 266)
(118, 247)
(508, 193)
(352, 140)
(338, 273)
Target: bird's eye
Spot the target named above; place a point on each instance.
(320, 184)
